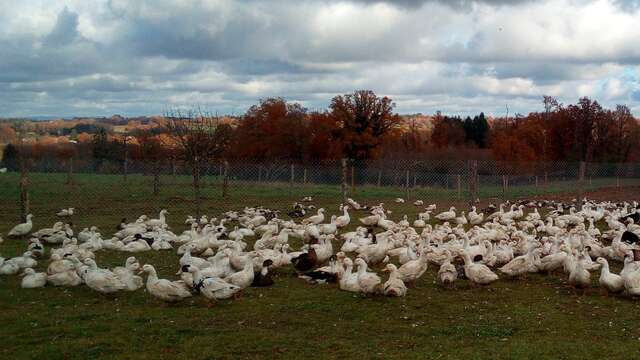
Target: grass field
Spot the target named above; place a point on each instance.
(540, 317)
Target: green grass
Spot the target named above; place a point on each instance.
(540, 317)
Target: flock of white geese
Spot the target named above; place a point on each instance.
(216, 261)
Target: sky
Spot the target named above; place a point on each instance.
(142, 57)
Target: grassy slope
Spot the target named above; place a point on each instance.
(537, 318)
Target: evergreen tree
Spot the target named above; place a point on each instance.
(10, 157)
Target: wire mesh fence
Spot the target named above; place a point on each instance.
(116, 190)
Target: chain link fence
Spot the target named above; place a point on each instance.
(114, 190)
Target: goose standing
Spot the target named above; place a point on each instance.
(22, 229)
(579, 276)
(344, 220)
(611, 282)
(394, 286)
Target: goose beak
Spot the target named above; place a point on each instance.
(179, 272)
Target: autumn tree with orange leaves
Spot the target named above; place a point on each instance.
(364, 120)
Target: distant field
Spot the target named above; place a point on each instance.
(541, 317)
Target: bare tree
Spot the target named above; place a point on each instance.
(201, 138)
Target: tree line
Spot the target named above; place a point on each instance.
(359, 126)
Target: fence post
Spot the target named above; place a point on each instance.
(156, 178)
(70, 173)
(24, 190)
(581, 171)
(304, 176)
(536, 180)
(459, 186)
(225, 180)
(291, 179)
(353, 182)
(343, 180)
(379, 177)
(473, 181)
(504, 188)
(406, 186)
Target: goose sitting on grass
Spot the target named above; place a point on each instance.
(8, 267)
(22, 229)
(127, 274)
(370, 283)
(477, 273)
(31, 279)
(212, 288)
(349, 280)
(163, 289)
(65, 212)
(101, 280)
(242, 278)
(447, 215)
(447, 273)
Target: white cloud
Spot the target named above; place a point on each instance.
(132, 57)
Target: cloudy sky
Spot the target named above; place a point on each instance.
(136, 57)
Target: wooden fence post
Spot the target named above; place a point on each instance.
(292, 178)
(24, 189)
(581, 172)
(406, 186)
(225, 180)
(343, 180)
(70, 173)
(353, 182)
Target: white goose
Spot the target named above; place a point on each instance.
(163, 289)
(22, 229)
(101, 280)
(345, 219)
(31, 279)
(394, 286)
(369, 282)
(612, 282)
(447, 215)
